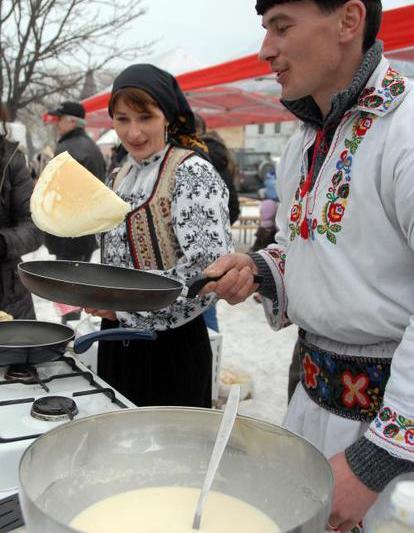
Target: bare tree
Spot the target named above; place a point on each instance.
(46, 46)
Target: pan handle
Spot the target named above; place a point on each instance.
(84, 342)
(198, 282)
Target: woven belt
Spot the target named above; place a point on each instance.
(349, 386)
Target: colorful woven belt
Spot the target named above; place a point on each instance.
(349, 386)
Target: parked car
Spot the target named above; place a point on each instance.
(253, 167)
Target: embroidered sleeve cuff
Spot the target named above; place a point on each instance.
(267, 287)
(373, 465)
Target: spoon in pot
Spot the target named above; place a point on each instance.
(223, 434)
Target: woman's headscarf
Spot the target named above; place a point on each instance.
(164, 89)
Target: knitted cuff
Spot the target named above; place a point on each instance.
(267, 287)
(373, 465)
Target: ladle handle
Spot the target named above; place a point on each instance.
(84, 342)
(223, 435)
(198, 282)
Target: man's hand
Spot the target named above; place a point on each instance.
(103, 313)
(351, 498)
(237, 283)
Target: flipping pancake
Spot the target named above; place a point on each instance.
(69, 201)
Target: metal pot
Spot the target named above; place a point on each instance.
(84, 461)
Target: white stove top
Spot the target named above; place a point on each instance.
(18, 429)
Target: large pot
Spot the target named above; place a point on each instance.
(81, 462)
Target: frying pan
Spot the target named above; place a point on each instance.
(33, 341)
(105, 286)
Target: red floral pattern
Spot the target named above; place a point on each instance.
(336, 212)
(354, 390)
(295, 212)
(311, 372)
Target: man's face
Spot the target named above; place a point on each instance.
(65, 124)
(301, 45)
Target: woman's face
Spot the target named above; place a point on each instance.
(141, 132)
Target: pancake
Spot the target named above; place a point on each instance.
(69, 201)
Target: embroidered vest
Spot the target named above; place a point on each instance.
(151, 237)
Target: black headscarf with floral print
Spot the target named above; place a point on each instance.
(164, 89)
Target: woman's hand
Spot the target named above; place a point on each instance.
(351, 498)
(103, 313)
(237, 283)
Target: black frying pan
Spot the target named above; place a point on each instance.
(33, 341)
(104, 286)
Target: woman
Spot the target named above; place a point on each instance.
(18, 234)
(178, 224)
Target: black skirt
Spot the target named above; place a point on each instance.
(175, 369)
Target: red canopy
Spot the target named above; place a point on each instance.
(222, 105)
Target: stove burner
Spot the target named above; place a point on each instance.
(54, 408)
(21, 373)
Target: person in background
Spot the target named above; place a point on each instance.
(270, 185)
(342, 268)
(18, 234)
(74, 139)
(38, 163)
(178, 225)
(265, 234)
(223, 162)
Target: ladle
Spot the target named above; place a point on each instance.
(223, 434)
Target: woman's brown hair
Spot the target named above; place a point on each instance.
(136, 99)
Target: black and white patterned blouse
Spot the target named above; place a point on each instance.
(200, 219)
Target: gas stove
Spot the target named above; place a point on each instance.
(37, 399)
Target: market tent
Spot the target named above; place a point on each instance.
(220, 95)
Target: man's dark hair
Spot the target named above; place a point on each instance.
(372, 23)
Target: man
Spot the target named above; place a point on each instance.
(73, 139)
(343, 265)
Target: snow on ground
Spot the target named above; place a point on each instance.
(248, 344)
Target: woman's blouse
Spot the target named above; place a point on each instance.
(200, 219)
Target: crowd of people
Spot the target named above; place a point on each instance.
(335, 247)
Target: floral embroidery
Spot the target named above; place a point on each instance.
(302, 223)
(352, 387)
(338, 192)
(279, 256)
(354, 392)
(395, 428)
(311, 371)
(392, 86)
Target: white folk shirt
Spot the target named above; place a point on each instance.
(351, 282)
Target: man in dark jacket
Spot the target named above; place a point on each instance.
(18, 234)
(74, 139)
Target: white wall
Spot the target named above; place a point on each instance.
(263, 138)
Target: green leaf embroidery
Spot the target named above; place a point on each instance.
(331, 237)
(321, 229)
(391, 431)
(335, 228)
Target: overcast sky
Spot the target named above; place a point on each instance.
(213, 31)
